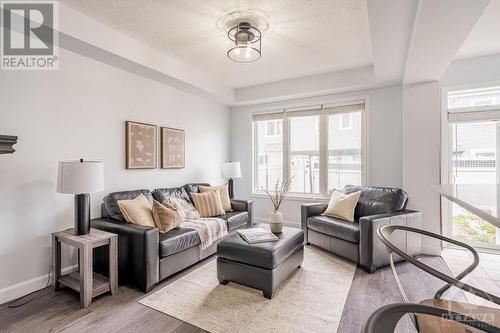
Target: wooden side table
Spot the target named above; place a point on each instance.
(85, 281)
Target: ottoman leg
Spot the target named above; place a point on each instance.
(223, 282)
(267, 294)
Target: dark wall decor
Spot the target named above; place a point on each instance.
(141, 145)
(172, 148)
(6, 143)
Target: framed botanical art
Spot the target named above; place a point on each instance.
(172, 148)
(141, 145)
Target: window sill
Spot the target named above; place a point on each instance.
(293, 197)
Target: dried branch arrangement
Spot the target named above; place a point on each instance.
(279, 194)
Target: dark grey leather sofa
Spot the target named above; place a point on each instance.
(145, 256)
(357, 241)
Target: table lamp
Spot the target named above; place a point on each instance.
(229, 171)
(81, 178)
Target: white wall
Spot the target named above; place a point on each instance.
(384, 146)
(421, 154)
(79, 112)
(478, 70)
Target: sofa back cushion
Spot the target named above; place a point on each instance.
(111, 201)
(165, 194)
(193, 188)
(377, 200)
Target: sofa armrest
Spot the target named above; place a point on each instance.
(243, 206)
(138, 255)
(372, 252)
(308, 210)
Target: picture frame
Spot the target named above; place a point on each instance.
(173, 148)
(141, 145)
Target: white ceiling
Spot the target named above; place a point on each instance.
(485, 36)
(303, 37)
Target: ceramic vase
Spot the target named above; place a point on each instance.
(276, 225)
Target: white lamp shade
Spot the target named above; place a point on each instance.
(230, 170)
(76, 177)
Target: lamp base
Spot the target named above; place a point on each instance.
(230, 188)
(82, 214)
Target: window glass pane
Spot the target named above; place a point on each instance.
(344, 150)
(269, 161)
(474, 161)
(474, 97)
(304, 154)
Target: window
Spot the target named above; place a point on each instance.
(269, 149)
(346, 121)
(344, 151)
(470, 156)
(321, 148)
(274, 128)
(304, 154)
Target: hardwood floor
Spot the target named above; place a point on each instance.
(60, 312)
(371, 291)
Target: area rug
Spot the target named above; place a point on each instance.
(311, 300)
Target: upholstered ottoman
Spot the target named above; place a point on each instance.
(262, 266)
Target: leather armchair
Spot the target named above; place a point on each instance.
(357, 241)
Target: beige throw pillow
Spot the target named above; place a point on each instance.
(137, 211)
(342, 205)
(208, 204)
(166, 217)
(223, 192)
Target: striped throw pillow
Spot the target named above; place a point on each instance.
(208, 204)
(224, 195)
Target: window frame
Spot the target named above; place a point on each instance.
(323, 194)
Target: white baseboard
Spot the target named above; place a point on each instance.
(23, 288)
(267, 221)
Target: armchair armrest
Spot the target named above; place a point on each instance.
(243, 206)
(372, 252)
(308, 210)
(137, 251)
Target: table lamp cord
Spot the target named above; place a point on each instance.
(12, 304)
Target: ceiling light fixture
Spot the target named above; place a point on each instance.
(247, 43)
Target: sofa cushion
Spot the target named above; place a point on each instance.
(377, 200)
(235, 220)
(193, 187)
(348, 231)
(111, 201)
(163, 194)
(177, 240)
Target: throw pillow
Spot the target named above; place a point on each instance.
(137, 211)
(185, 209)
(223, 192)
(342, 205)
(165, 217)
(208, 204)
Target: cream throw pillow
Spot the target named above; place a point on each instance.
(208, 204)
(137, 211)
(342, 205)
(223, 192)
(166, 217)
